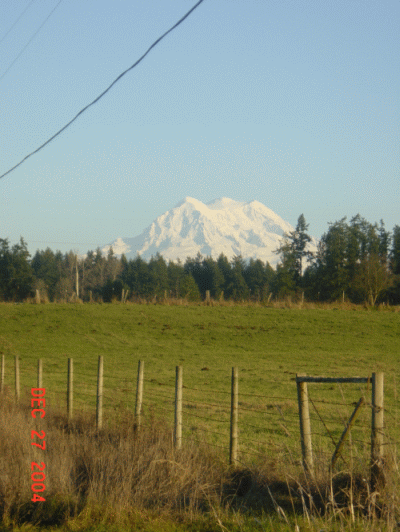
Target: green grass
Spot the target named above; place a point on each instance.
(268, 345)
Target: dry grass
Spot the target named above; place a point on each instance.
(288, 302)
(112, 474)
(118, 469)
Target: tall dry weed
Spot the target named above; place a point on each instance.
(117, 468)
(120, 470)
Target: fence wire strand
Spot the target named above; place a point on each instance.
(161, 396)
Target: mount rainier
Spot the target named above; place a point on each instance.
(221, 226)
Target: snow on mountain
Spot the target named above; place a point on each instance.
(221, 226)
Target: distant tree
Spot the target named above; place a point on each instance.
(258, 278)
(225, 268)
(300, 240)
(240, 290)
(352, 259)
(211, 278)
(313, 283)
(394, 261)
(175, 272)
(194, 266)
(107, 291)
(367, 269)
(46, 269)
(123, 265)
(92, 268)
(293, 252)
(97, 275)
(16, 274)
(189, 289)
(112, 266)
(64, 288)
(362, 240)
(181, 283)
(372, 278)
(384, 243)
(158, 272)
(395, 251)
(139, 278)
(332, 275)
(284, 283)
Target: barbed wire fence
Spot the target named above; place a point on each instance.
(248, 428)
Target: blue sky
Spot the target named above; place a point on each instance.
(294, 103)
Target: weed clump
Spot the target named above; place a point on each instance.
(112, 474)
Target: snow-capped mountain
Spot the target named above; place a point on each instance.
(221, 226)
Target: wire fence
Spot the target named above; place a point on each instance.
(268, 424)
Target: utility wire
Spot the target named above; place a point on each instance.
(30, 40)
(64, 243)
(16, 22)
(104, 92)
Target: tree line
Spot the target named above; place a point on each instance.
(355, 260)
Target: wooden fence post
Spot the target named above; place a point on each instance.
(178, 408)
(233, 443)
(40, 373)
(305, 426)
(3, 368)
(17, 387)
(139, 394)
(99, 409)
(207, 296)
(69, 388)
(377, 431)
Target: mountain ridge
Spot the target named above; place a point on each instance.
(223, 226)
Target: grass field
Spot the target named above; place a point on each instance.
(268, 345)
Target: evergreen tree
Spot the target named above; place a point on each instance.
(300, 239)
(211, 278)
(112, 266)
(394, 258)
(176, 273)
(140, 278)
(284, 283)
(16, 274)
(395, 251)
(293, 251)
(258, 278)
(45, 268)
(240, 289)
(225, 268)
(195, 268)
(181, 282)
(158, 272)
(332, 274)
(352, 260)
(189, 289)
(384, 243)
(363, 261)
(359, 243)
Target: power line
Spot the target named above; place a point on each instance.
(16, 22)
(29, 42)
(28, 242)
(65, 243)
(104, 92)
